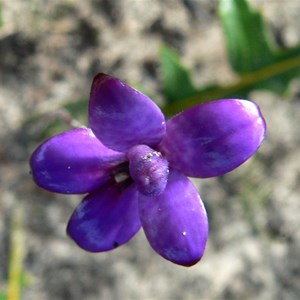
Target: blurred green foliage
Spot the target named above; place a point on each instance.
(1, 24)
(252, 54)
(177, 83)
(250, 46)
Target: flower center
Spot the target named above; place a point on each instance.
(149, 169)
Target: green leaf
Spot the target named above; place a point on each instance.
(16, 256)
(176, 79)
(248, 41)
(252, 56)
(2, 296)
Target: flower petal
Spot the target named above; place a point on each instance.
(213, 138)
(122, 117)
(175, 222)
(73, 162)
(105, 219)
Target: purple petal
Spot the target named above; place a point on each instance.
(213, 138)
(73, 162)
(105, 219)
(122, 117)
(175, 222)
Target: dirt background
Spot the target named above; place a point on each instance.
(49, 53)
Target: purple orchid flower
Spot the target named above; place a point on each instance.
(134, 167)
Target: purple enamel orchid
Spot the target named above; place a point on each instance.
(133, 165)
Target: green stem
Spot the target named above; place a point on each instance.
(16, 256)
(245, 82)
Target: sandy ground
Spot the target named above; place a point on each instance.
(49, 53)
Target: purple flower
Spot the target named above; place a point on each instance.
(134, 167)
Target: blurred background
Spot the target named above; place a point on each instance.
(49, 53)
